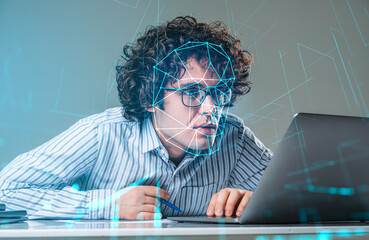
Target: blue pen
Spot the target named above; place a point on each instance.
(171, 205)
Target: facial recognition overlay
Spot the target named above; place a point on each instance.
(203, 86)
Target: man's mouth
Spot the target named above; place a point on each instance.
(207, 129)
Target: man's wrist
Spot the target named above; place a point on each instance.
(102, 204)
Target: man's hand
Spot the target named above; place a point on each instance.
(140, 203)
(226, 201)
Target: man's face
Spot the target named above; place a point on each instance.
(188, 127)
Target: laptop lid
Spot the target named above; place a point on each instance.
(319, 173)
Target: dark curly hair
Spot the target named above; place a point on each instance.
(135, 76)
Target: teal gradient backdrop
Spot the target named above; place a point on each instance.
(57, 60)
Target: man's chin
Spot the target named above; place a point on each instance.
(203, 144)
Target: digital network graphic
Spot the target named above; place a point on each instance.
(329, 69)
(214, 80)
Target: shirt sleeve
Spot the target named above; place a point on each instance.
(44, 181)
(253, 158)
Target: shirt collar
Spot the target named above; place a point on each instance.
(149, 139)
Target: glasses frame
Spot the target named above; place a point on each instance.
(207, 91)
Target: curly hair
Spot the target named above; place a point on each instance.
(135, 76)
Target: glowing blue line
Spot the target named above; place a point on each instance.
(343, 90)
(207, 48)
(331, 190)
(134, 35)
(315, 167)
(309, 97)
(245, 25)
(117, 1)
(283, 95)
(268, 118)
(224, 71)
(229, 23)
(107, 89)
(295, 121)
(339, 24)
(254, 12)
(334, 62)
(157, 31)
(161, 86)
(143, 54)
(261, 117)
(220, 78)
(67, 113)
(344, 67)
(318, 59)
(164, 58)
(285, 78)
(93, 205)
(166, 73)
(357, 25)
(289, 136)
(184, 65)
(207, 69)
(269, 113)
(189, 42)
(160, 54)
(226, 56)
(335, 14)
(300, 44)
(256, 51)
(192, 46)
(189, 47)
(358, 89)
(267, 31)
(111, 86)
(343, 165)
(227, 10)
(234, 29)
(158, 208)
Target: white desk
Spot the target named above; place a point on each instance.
(165, 229)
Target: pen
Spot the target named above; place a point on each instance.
(171, 205)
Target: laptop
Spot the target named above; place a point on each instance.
(319, 173)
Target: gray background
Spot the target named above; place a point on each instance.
(57, 60)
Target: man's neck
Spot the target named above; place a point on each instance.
(176, 154)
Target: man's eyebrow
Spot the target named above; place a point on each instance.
(195, 84)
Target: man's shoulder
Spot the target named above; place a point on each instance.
(235, 124)
(233, 120)
(245, 137)
(109, 116)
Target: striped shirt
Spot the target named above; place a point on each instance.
(80, 172)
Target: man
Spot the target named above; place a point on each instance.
(173, 139)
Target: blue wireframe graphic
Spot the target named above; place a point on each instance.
(193, 94)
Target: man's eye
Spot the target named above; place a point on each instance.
(193, 92)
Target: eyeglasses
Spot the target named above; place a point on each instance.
(193, 97)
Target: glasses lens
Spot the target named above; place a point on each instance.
(197, 97)
(221, 98)
(192, 98)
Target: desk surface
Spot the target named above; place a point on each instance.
(165, 228)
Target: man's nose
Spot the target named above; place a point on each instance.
(208, 105)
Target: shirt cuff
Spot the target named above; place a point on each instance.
(102, 204)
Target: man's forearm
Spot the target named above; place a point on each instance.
(66, 203)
